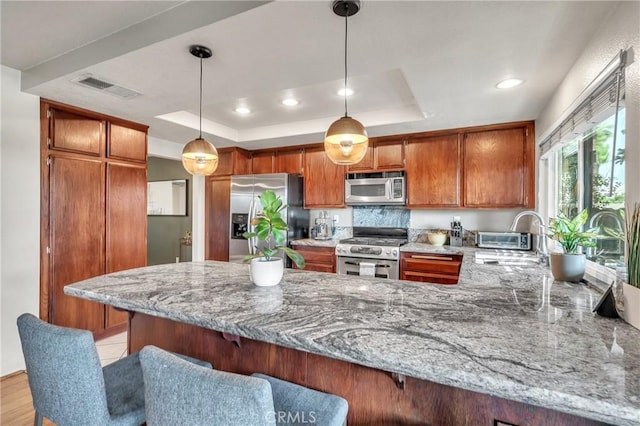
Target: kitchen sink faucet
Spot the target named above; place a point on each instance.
(541, 248)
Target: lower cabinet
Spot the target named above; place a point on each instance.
(319, 259)
(430, 268)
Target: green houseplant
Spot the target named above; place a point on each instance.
(266, 269)
(570, 265)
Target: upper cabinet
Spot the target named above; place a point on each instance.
(387, 153)
(432, 171)
(233, 161)
(323, 180)
(127, 143)
(499, 168)
(480, 167)
(282, 160)
(75, 132)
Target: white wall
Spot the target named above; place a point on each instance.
(19, 214)
(619, 31)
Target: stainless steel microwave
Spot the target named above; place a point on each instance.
(385, 190)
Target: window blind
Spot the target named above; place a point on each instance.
(600, 102)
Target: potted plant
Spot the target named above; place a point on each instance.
(631, 288)
(569, 265)
(266, 269)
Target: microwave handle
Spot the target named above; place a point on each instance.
(388, 189)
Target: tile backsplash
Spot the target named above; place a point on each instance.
(381, 216)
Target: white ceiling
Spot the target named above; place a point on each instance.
(414, 65)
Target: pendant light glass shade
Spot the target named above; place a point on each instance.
(346, 141)
(200, 157)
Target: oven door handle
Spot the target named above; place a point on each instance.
(378, 265)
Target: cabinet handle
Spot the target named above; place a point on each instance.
(417, 256)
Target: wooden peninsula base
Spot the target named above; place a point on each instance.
(375, 397)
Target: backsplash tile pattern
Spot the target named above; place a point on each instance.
(378, 216)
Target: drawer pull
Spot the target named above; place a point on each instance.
(418, 256)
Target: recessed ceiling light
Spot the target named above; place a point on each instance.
(242, 110)
(347, 92)
(508, 84)
(290, 102)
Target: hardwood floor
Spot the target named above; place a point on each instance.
(16, 408)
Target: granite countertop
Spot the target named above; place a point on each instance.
(428, 248)
(315, 243)
(507, 331)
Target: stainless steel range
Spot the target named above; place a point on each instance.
(371, 252)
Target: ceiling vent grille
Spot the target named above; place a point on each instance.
(89, 80)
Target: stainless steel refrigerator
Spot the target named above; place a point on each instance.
(245, 204)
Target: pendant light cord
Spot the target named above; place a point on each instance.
(346, 20)
(200, 137)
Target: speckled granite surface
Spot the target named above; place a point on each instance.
(507, 331)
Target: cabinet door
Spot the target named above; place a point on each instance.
(288, 161)
(127, 143)
(323, 180)
(389, 154)
(319, 259)
(217, 218)
(73, 132)
(430, 268)
(495, 168)
(433, 175)
(126, 224)
(262, 162)
(77, 212)
(367, 163)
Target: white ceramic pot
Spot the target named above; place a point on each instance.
(631, 297)
(567, 267)
(266, 273)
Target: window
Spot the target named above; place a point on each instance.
(590, 174)
(582, 163)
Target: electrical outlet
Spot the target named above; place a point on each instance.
(336, 219)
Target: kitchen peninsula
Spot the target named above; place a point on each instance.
(506, 343)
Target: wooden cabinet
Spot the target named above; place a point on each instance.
(323, 180)
(217, 218)
(93, 209)
(289, 161)
(70, 131)
(384, 154)
(432, 171)
(319, 259)
(127, 143)
(480, 167)
(126, 227)
(262, 162)
(233, 161)
(76, 211)
(499, 168)
(430, 268)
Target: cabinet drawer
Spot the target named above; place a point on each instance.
(434, 268)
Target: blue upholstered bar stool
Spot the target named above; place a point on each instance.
(177, 392)
(68, 385)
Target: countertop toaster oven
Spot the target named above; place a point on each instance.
(504, 240)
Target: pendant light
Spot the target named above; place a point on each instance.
(200, 157)
(346, 140)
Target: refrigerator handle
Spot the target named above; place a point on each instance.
(249, 227)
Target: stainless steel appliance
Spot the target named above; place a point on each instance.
(244, 205)
(375, 189)
(504, 240)
(371, 252)
(323, 229)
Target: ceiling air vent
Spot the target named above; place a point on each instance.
(89, 80)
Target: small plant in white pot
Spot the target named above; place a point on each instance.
(266, 268)
(570, 265)
(631, 288)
